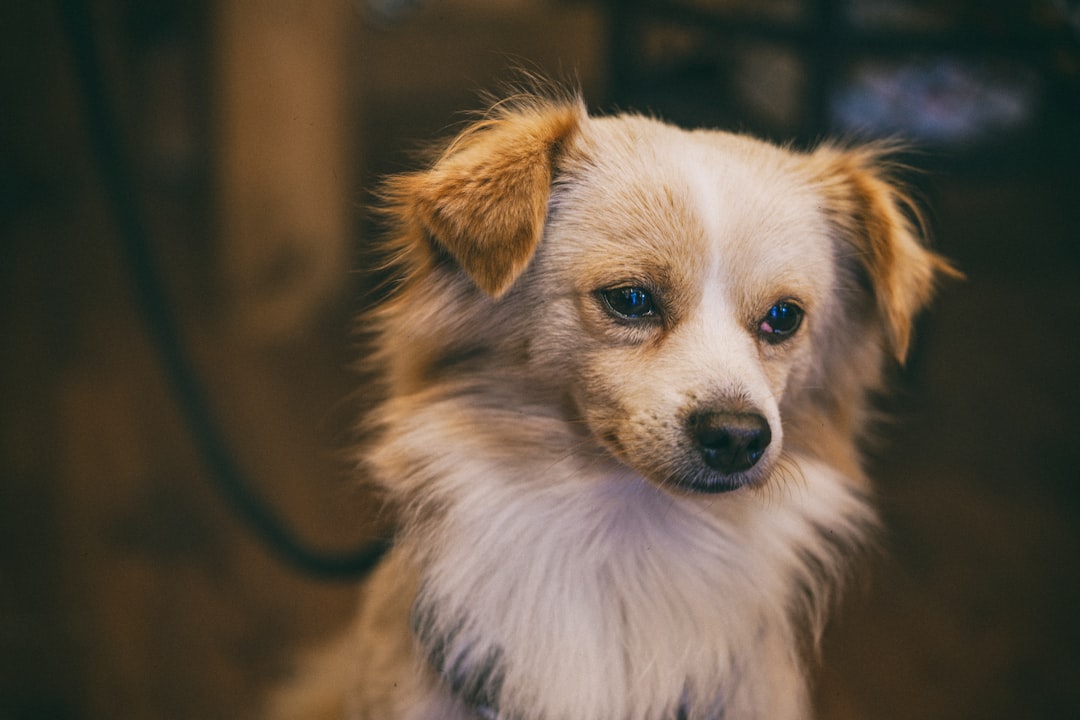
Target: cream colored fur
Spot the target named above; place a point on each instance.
(553, 563)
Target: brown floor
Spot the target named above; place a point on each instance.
(128, 590)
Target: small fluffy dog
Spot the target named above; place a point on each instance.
(628, 368)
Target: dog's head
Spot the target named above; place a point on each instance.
(695, 301)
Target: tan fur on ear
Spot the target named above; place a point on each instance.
(883, 224)
(485, 199)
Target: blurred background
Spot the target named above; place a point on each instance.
(250, 136)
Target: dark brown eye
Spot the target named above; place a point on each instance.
(629, 302)
(781, 321)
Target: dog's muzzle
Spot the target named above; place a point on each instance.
(730, 443)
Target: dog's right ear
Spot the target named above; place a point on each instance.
(869, 209)
(484, 201)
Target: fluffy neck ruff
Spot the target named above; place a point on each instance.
(556, 584)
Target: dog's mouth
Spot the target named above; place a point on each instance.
(689, 473)
(720, 452)
(706, 483)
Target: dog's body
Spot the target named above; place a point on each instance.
(628, 370)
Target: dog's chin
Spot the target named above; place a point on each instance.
(709, 484)
(702, 480)
(687, 474)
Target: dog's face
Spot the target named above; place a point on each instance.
(681, 295)
(679, 280)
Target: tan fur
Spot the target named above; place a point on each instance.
(484, 202)
(566, 552)
(871, 209)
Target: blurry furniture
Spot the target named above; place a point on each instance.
(284, 126)
(958, 74)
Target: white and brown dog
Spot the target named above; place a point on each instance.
(628, 369)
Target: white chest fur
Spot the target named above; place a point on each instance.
(586, 594)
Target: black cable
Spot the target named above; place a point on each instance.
(161, 324)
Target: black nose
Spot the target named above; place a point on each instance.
(730, 442)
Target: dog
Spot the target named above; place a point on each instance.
(629, 370)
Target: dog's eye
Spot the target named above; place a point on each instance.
(781, 321)
(629, 302)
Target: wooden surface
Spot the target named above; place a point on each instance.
(286, 98)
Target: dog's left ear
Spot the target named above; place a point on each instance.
(882, 225)
(485, 200)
